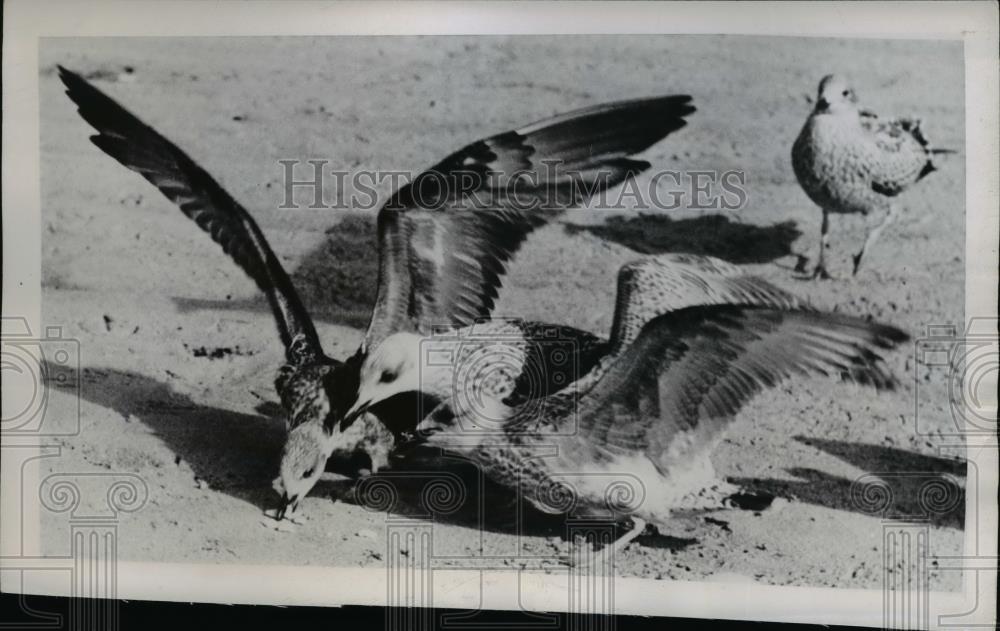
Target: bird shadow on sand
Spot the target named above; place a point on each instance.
(231, 452)
(452, 490)
(713, 235)
(335, 280)
(898, 484)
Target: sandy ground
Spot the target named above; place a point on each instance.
(151, 298)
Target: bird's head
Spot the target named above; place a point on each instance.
(303, 460)
(311, 394)
(835, 96)
(392, 367)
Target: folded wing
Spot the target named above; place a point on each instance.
(904, 153)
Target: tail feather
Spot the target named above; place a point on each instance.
(926, 170)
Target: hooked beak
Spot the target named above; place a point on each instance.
(288, 505)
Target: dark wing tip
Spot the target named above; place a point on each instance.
(888, 336)
(867, 367)
(75, 84)
(678, 105)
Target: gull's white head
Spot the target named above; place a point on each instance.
(398, 364)
(835, 96)
(303, 460)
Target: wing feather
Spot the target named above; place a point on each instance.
(140, 148)
(904, 152)
(689, 372)
(478, 205)
(669, 282)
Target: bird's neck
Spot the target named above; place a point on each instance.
(467, 366)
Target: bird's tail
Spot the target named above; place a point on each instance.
(912, 125)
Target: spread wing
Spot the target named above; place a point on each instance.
(669, 282)
(446, 238)
(689, 372)
(138, 147)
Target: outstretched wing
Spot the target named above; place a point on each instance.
(669, 282)
(689, 372)
(445, 238)
(138, 147)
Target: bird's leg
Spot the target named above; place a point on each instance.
(820, 270)
(873, 235)
(638, 527)
(607, 552)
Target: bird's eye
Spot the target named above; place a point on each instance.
(308, 473)
(846, 93)
(387, 376)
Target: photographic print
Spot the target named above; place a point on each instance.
(684, 310)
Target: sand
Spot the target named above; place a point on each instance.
(178, 351)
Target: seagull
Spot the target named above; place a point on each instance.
(849, 160)
(693, 340)
(445, 240)
(309, 383)
(403, 362)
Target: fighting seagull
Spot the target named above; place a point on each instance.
(851, 161)
(442, 254)
(693, 340)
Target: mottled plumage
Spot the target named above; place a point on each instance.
(694, 340)
(440, 258)
(851, 161)
(508, 360)
(311, 385)
(445, 239)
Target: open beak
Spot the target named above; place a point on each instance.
(288, 506)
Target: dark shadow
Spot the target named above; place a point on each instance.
(238, 454)
(233, 453)
(899, 485)
(415, 486)
(424, 484)
(271, 409)
(336, 280)
(877, 458)
(712, 235)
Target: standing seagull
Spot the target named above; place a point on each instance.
(850, 161)
(693, 340)
(444, 242)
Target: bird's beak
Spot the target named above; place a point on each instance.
(288, 506)
(822, 105)
(356, 410)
